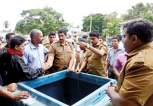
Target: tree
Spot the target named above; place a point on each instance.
(138, 11)
(6, 24)
(111, 24)
(97, 22)
(45, 19)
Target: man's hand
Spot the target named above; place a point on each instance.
(46, 66)
(12, 87)
(21, 95)
(82, 44)
(77, 71)
(110, 89)
(69, 69)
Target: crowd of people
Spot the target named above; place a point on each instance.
(131, 64)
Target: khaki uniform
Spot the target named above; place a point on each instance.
(47, 45)
(95, 63)
(62, 55)
(82, 59)
(136, 78)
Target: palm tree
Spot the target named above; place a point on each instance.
(6, 24)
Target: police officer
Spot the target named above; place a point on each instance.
(61, 53)
(94, 56)
(52, 38)
(135, 83)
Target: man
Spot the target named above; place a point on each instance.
(61, 54)
(52, 38)
(34, 53)
(119, 63)
(12, 66)
(94, 56)
(8, 37)
(120, 42)
(135, 83)
(81, 55)
(101, 39)
(112, 55)
(85, 37)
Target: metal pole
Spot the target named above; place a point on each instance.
(90, 22)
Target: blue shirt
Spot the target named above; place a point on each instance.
(111, 56)
(34, 57)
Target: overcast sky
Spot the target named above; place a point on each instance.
(72, 10)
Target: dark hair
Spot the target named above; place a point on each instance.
(120, 37)
(116, 37)
(101, 37)
(62, 30)
(82, 40)
(94, 33)
(143, 29)
(84, 36)
(51, 33)
(8, 35)
(17, 40)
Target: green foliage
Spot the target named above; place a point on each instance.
(97, 22)
(140, 10)
(45, 19)
(111, 23)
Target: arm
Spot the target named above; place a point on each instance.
(17, 96)
(82, 66)
(26, 72)
(116, 66)
(94, 50)
(115, 71)
(107, 66)
(117, 100)
(71, 63)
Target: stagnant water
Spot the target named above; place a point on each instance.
(68, 90)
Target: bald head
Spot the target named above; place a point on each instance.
(36, 36)
(34, 32)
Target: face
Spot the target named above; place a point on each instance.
(127, 42)
(94, 40)
(101, 40)
(52, 38)
(115, 42)
(20, 48)
(62, 37)
(39, 37)
(8, 40)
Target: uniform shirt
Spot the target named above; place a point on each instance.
(34, 57)
(95, 62)
(136, 78)
(62, 54)
(111, 56)
(47, 45)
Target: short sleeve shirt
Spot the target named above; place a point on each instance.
(61, 53)
(95, 63)
(136, 79)
(33, 56)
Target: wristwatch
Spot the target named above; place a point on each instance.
(88, 46)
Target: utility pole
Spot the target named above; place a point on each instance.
(90, 21)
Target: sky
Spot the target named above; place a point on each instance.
(73, 11)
